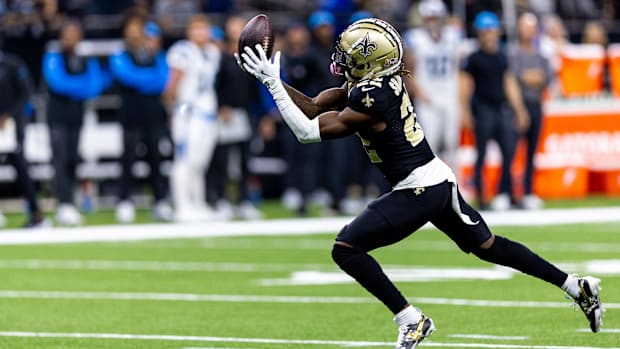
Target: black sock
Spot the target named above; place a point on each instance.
(363, 268)
(512, 254)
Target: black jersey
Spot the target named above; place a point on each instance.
(401, 146)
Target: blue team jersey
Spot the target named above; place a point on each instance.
(401, 146)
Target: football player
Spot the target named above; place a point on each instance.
(194, 64)
(375, 106)
(434, 52)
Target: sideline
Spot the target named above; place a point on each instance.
(300, 226)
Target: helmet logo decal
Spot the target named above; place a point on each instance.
(366, 46)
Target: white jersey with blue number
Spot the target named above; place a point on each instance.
(199, 67)
(436, 62)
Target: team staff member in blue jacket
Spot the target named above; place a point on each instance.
(141, 71)
(71, 80)
(15, 89)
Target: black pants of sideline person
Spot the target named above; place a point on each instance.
(151, 137)
(18, 161)
(532, 136)
(65, 158)
(494, 122)
(217, 174)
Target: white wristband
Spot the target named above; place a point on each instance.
(306, 130)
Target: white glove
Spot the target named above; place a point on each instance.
(266, 70)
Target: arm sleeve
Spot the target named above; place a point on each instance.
(62, 83)
(149, 80)
(24, 89)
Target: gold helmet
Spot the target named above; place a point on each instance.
(368, 48)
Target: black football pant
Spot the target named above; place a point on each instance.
(494, 122)
(150, 137)
(217, 174)
(65, 158)
(532, 136)
(18, 161)
(397, 214)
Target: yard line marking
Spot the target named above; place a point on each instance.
(154, 265)
(278, 227)
(192, 297)
(161, 337)
(488, 336)
(604, 330)
(211, 348)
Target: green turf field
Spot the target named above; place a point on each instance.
(266, 292)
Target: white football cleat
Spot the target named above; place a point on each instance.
(532, 202)
(224, 209)
(411, 335)
(501, 202)
(125, 212)
(589, 301)
(162, 211)
(68, 215)
(248, 211)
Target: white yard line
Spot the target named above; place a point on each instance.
(193, 297)
(278, 227)
(161, 337)
(60, 264)
(603, 330)
(488, 336)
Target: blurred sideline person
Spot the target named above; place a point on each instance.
(434, 52)
(71, 80)
(335, 154)
(486, 84)
(141, 72)
(378, 109)
(300, 66)
(15, 90)
(194, 64)
(235, 130)
(533, 73)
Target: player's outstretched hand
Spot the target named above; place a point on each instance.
(264, 69)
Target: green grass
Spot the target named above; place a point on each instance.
(277, 257)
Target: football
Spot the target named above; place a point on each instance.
(257, 31)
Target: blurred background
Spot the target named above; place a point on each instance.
(96, 151)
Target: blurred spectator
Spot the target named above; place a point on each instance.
(335, 154)
(194, 65)
(578, 9)
(71, 80)
(300, 64)
(434, 53)
(486, 85)
(533, 74)
(357, 15)
(235, 130)
(173, 13)
(25, 28)
(141, 72)
(16, 87)
(553, 40)
(594, 33)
